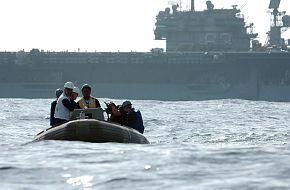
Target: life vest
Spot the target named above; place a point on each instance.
(91, 103)
(61, 112)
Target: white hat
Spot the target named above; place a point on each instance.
(76, 90)
(69, 85)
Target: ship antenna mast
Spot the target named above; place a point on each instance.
(192, 6)
(243, 5)
(275, 32)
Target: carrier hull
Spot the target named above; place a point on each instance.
(149, 76)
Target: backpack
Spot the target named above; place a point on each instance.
(139, 122)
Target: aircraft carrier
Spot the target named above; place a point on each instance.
(210, 54)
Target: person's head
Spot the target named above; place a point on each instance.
(58, 92)
(127, 106)
(75, 93)
(86, 91)
(68, 88)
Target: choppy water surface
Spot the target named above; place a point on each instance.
(221, 144)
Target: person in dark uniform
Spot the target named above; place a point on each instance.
(58, 92)
(126, 115)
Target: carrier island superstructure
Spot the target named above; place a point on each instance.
(210, 54)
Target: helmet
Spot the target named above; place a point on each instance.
(58, 92)
(126, 103)
(69, 85)
(86, 86)
(76, 90)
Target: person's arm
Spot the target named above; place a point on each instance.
(78, 105)
(75, 105)
(68, 104)
(98, 105)
(115, 111)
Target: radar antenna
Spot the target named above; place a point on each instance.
(274, 4)
(275, 31)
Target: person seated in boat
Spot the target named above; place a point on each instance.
(74, 96)
(64, 107)
(88, 101)
(58, 92)
(114, 113)
(126, 116)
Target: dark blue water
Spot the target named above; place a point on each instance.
(222, 144)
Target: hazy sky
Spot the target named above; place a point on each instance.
(107, 25)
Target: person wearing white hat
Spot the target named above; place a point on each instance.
(64, 107)
(74, 96)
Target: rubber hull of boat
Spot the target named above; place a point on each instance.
(92, 130)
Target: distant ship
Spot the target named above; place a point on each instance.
(210, 54)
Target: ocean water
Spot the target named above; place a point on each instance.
(219, 144)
